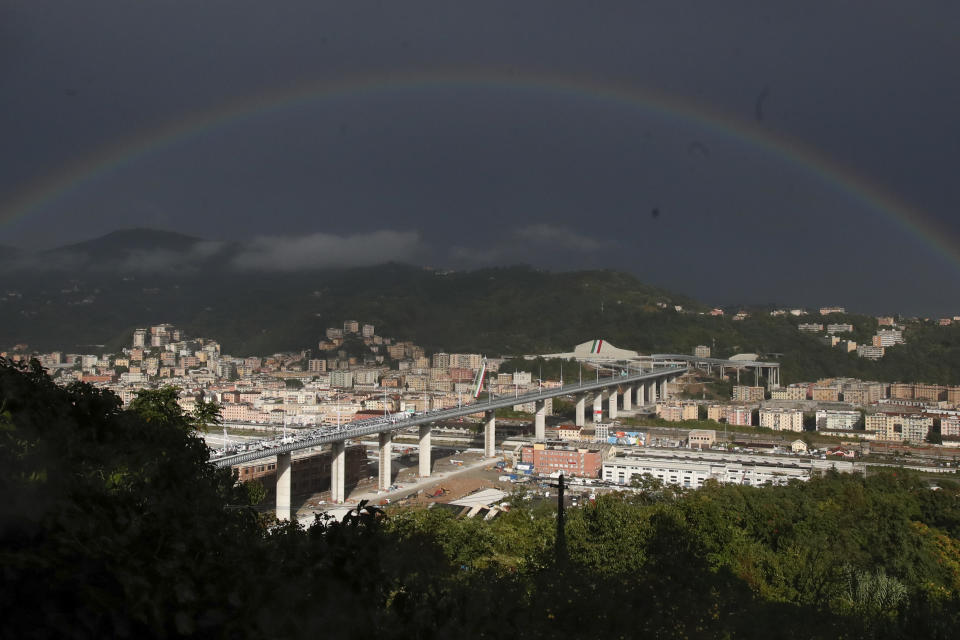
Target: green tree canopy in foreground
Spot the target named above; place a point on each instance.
(114, 525)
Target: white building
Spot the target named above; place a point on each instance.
(837, 420)
(692, 468)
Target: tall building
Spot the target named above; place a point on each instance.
(782, 419)
(139, 338)
(367, 331)
(837, 420)
(900, 427)
(351, 326)
(743, 393)
(441, 360)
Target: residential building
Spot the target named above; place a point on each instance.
(900, 427)
(333, 333)
(139, 338)
(901, 391)
(888, 338)
(715, 412)
(829, 420)
(742, 416)
(677, 411)
(316, 366)
(950, 426)
(825, 311)
(870, 352)
(568, 432)
(839, 328)
(441, 360)
(351, 326)
(742, 393)
(367, 331)
(341, 379)
(929, 392)
(826, 393)
(810, 327)
(885, 321)
(701, 351)
(781, 419)
(792, 392)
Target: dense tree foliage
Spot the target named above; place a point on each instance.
(115, 525)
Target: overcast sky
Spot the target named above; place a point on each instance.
(465, 174)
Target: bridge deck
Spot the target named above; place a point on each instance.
(347, 432)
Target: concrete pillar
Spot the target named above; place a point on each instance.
(641, 394)
(653, 392)
(338, 463)
(540, 420)
(581, 407)
(386, 439)
(424, 455)
(598, 407)
(628, 397)
(490, 434)
(612, 399)
(284, 474)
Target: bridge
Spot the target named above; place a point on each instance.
(645, 387)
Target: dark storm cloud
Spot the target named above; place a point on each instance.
(485, 175)
(318, 250)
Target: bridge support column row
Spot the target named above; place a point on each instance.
(490, 434)
(284, 475)
(628, 398)
(612, 403)
(540, 420)
(338, 471)
(581, 409)
(424, 454)
(386, 440)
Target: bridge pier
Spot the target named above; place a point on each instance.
(641, 394)
(338, 462)
(612, 403)
(628, 398)
(653, 392)
(540, 420)
(424, 455)
(581, 409)
(598, 407)
(385, 440)
(284, 474)
(490, 434)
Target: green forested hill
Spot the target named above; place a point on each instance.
(503, 311)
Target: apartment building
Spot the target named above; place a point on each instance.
(742, 393)
(828, 420)
(677, 411)
(810, 327)
(840, 327)
(792, 392)
(825, 311)
(900, 427)
(950, 426)
(929, 392)
(901, 391)
(870, 352)
(738, 415)
(441, 360)
(781, 419)
(888, 338)
(826, 393)
(701, 351)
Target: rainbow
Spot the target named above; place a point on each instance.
(125, 152)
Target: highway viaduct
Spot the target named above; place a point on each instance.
(642, 388)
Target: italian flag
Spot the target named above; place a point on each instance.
(597, 345)
(478, 383)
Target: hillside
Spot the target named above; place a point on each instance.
(509, 310)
